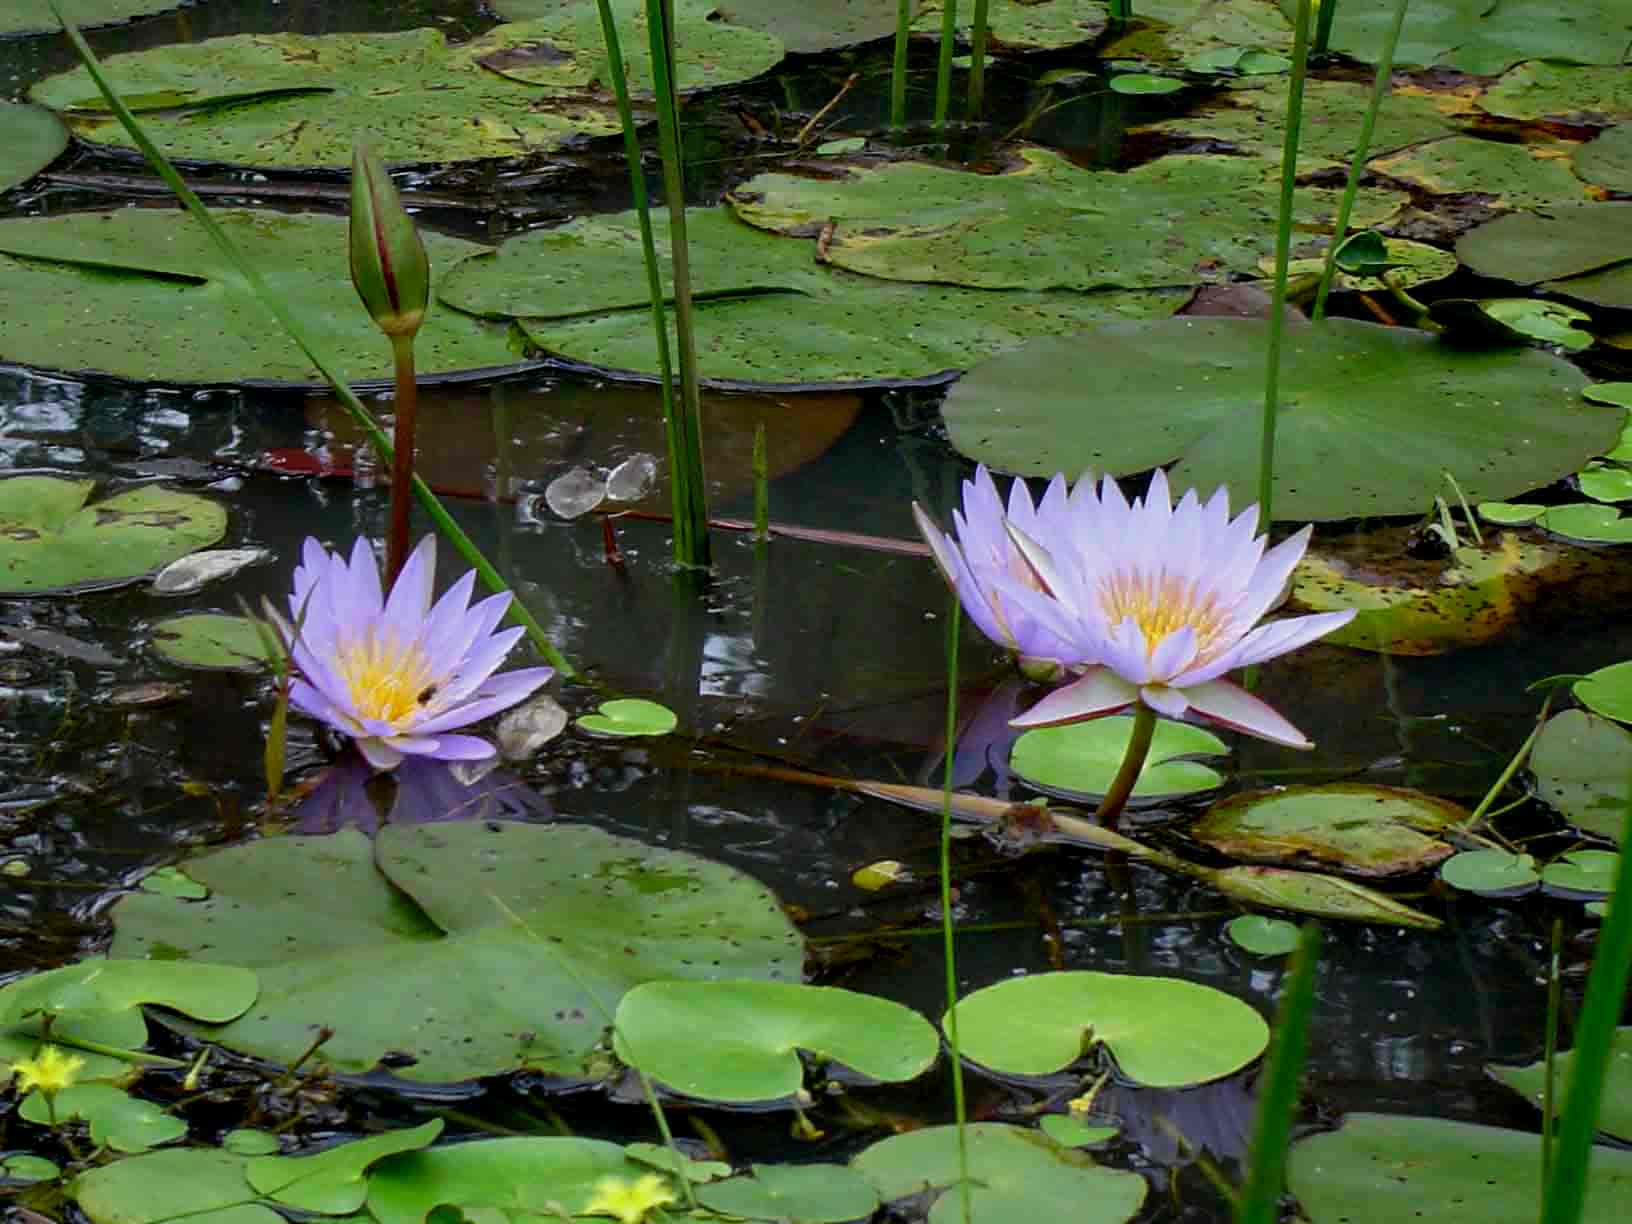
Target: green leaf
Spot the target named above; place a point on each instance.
(49, 545)
(148, 275)
(1262, 936)
(474, 948)
(21, 1167)
(657, 1156)
(1353, 827)
(1607, 159)
(1617, 393)
(518, 1175)
(1517, 175)
(117, 1119)
(1582, 871)
(202, 1185)
(817, 1193)
(1145, 83)
(100, 1001)
(213, 641)
(1322, 896)
(1615, 1113)
(1607, 691)
(1030, 25)
(1605, 482)
(755, 1032)
(1583, 767)
(333, 1181)
(1579, 250)
(1490, 872)
(1480, 37)
(814, 25)
(1015, 1175)
(1186, 389)
(248, 1142)
(36, 18)
(630, 716)
(1079, 760)
(1542, 90)
(1510, 514)
(34, 138)
(1394, 1167)
(1067, 1131)
(1592, 524)
(172, 882)
(1162, 1032)
(1546, 322)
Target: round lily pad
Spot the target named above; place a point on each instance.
(117, 1120)
(630, 716)
(1079, 760)
(819, 1193)
(1191, 390)
(1615, 1109)
(1262, 936)
(38, 19)
(1014, 1175)
(1490, 872)
(813, 25)
(1582, 764)
(34, 138)
(1539, 89)
(168, 309)
(1353, 827)
(530, 1176)
(51, 542)
(755, 1032)
(1479, 37)
(21, 1167)
(1069, 1132)
(1162, 1032)
(213, 641)
(1518, 176)
(1607, 691)
(1582, 871)
(467, 949)
(1589, 523)
(1580, 250)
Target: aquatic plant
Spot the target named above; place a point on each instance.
(395, 674)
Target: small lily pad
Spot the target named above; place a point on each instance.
(679, 1164)
(1071, 1132)
(1615, 1111)
(1162, 1032)
(1582, 871)
(117, 1119)
(1510, 514)
(756, 1030)
(22, 1167)
(1605, 482)
(630, 716)
(1590, 523)
(1146, 83)
(1617, 393)
(1583, 767)
(530, 1178)
(51, 542)
(212, 641)
(817, 1194)
(246, 1141)
(333, 1181)
(1262, 936)
(200, 1184)
(172, 882)
(100, 1001)
(1490, 872)
(1607, 691)
(1357, 828)
(1079, 760)
(38, 19)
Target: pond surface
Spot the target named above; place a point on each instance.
(815, 656)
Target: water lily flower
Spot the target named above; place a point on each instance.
(629, 1202)
(982, 559)
(396, 674)
(1162, 601)
(50, 1070)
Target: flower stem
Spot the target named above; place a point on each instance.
(402, 457)
(1133, 760)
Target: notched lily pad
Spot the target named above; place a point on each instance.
(211, 641)
(1491, 873)
(52, 542)
(1583, 767)
(1079, 760)
(1615, 1109)
(819, 1194)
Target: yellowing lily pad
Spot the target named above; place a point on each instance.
(1360, 829)
(1517, 175)
(1322, 896)
(1539, 89)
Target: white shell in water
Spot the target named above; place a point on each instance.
(196, 569)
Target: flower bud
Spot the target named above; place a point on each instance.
(388, 263)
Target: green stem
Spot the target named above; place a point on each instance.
(1323, 27)
(1133, 761)
(762, 491)
(948, 926)
(1357, 165)
(402, 459)
(1513, 767)
(1283, 256)
(898, 69)
(297, 332)
(977, 62)
(943, 66)
(1549, 1056)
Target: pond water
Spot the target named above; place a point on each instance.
(824, 657)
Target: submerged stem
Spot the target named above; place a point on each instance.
(1133, 761)
(948, 941)
(402, 456)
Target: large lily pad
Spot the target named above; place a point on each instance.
(1481, 37)
(1583, 767)
(1615, 1112)
(1607, 160)
(1162, 1032)
(36, 17)
(768, 313)
(1015, 1175)
(1392, 1167)
(470, 948)
(812, 25)
(1031, 25)
(1362, 829)
(200, 1185)
(52, 542)
(1047, 224)
(167, 308)
(1191, 390)
(1583, 250)
(1542, 90)
(34, 138)
(1171, 31)
(1516, 175)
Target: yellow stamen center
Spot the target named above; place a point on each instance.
(1161, 604)
(387, 679)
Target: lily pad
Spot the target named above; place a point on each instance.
(471, 949)
(1045, 225)
(213, 641)
(1321, 896)
(630, 716)
(1580, 872)
(333, 1181)
(168, 310)
(1540, 89)
(1479, 37)
(527, 1178)
(1079, 760)
(38, 19)
(1515, 176)
(1615, 1109)
(817, 1194)
(1353, 827)
(1583, 767)
(1505, 321)
(1162, 1032)
(100, 1001)
(1069, 1132)
(1262, 936)
(34, 138)
(1591, 524)
(1175, 31)
(1395, 1167)
(197, 1184)
(1607, 691)
(117, 1120)
(1031, 25)
(52, 543)
(1409, 264)
(1580, 250)
(1491, 872)
(815, 25)
(1607, 159)
(1015, 1175)
(1191, 390)
(755, 1032)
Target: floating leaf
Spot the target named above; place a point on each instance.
(1517, 175)
(1543, 90)
(1189, 389)
(532, 1177)
(34, 138)
(333, 1181)
(1079, 760)
(1409, 263)
(38, 18)
(1615, 1110)
(1580, 250)
(1591, 524)
(471, 948)
(21, 1167)
(1507, 321)
(1068, 1132)
(117, 1119)
(148, 276)
(1480, 37)
(756, 1030)
(1607, 159)
(1395, 1167)
(249, 1142)
(1162, 1032)
(171, 882)
(1321, 896)
(659, 1157)
(200, 1184)
(1262, 936)
(1583, 767)
(814, 25)
(214, 641)
(1145, 83)
(1014, 1175)
(100, 1001)
(1582, 871)
(1354, 827)
(630, 716)
(1510, 514)
(819, 1194)
(1490, 872)
(52, 543)
(1031, 25)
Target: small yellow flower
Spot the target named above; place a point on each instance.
(50, 1070)
(629, 1201)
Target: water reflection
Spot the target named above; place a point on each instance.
(419, 791)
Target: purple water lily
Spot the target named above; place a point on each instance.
(396, 674)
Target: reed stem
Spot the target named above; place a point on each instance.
(977, 61)
(960, 1106)
(898, 68)
(943, 66)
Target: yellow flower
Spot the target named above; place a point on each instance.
(50, 1070)
(629, 1201)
